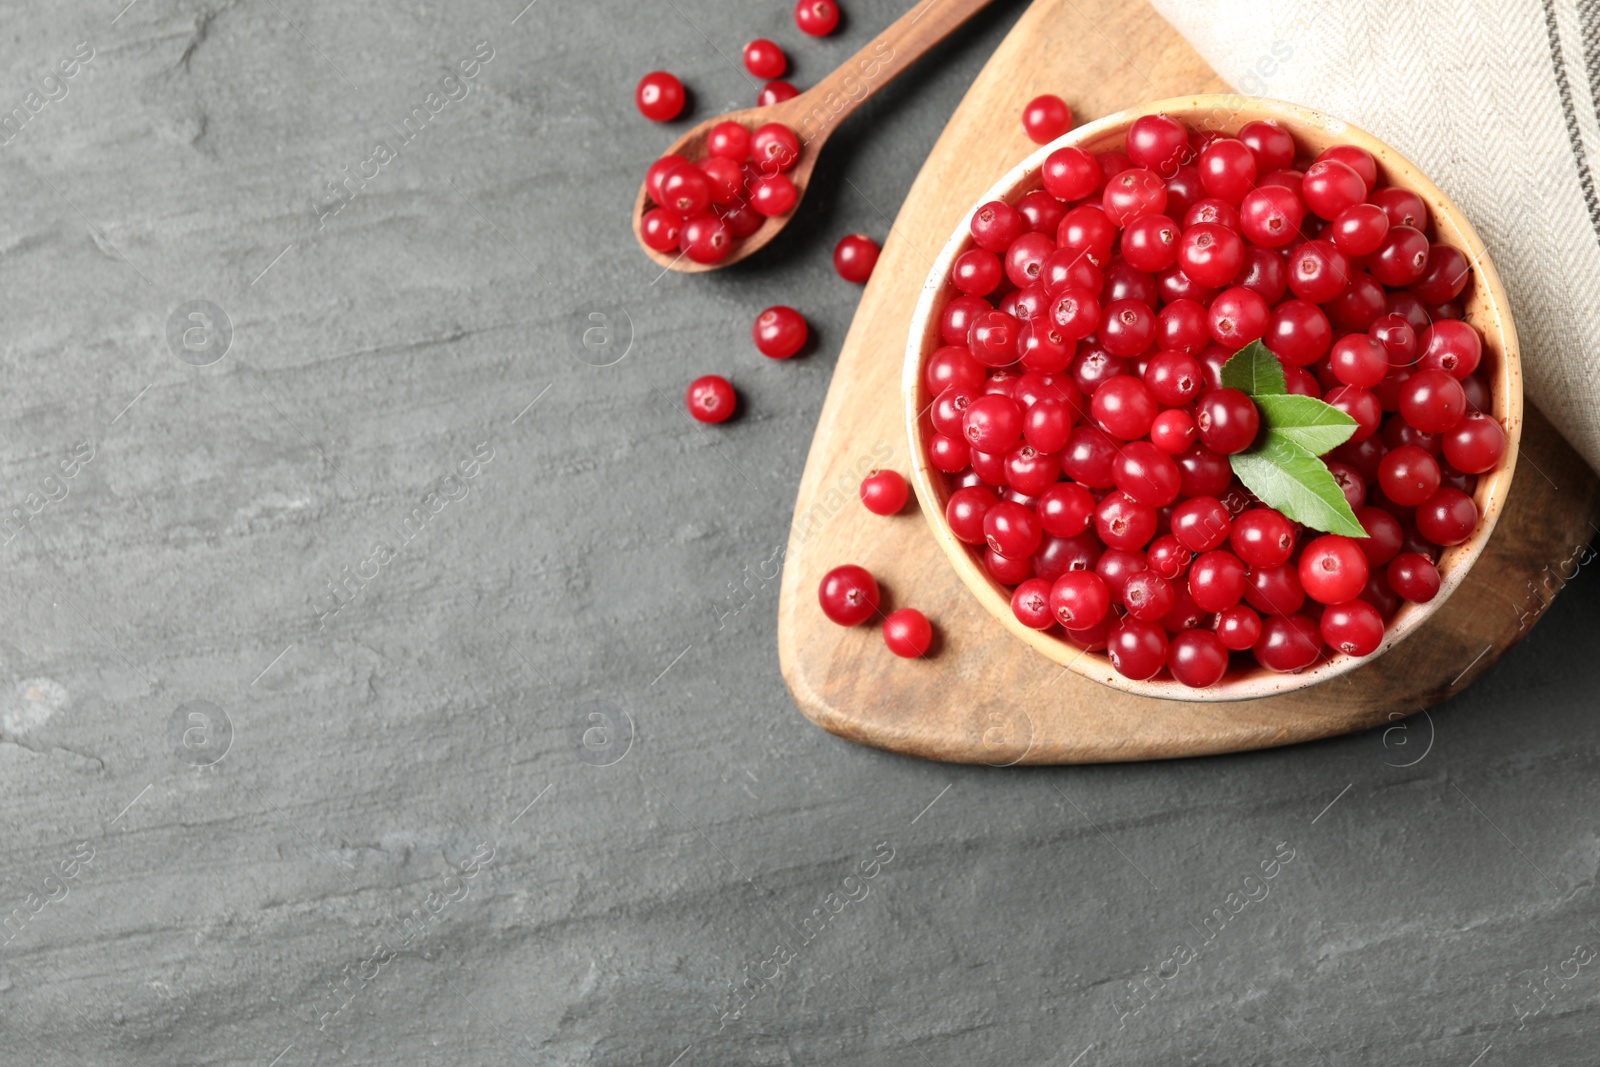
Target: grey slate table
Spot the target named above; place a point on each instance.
(375, 686)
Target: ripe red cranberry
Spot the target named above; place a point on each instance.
(1030, 603)
(1158, 143)
(1167, 557)
(1262, 537)
(1024, 259)
(1210, 254)
(742, 220)
(1360, 229)
(725, 180)
(1475, 444)
(1086, 229)
(1288, 643)
(1088, 456)
(1138, 649)
(1216, 580)
(1030, 471)
(1358, 360)
(1173, 378)
(1402, 257)
(1298, 333)
(1058, 555)
(1359, 305)
(948, 454)
(711, 398)
(993, 338)
(1403, 207)
(776, 92)
(1148, 596)
(995, 225)
(1127, 327)
(1227, 169)
(774, 147)
(1183, 189)
(1432, 401)
(1271, 144)
(884, 492)
(1041, 211)
(1046, 118)
(660, 96)
(1146, 474)
(1333, 569)
(1122, 522)
(953, 365)
(965, 511)
(1357, 159)
(1238, 316)
(1065, 509)
(1384, 535)
(1005, 570)
(1079, 599)
(1201, 523)
(1070, 173)
(1227, 421)
(1011, 529)
(661, 229)
(907, 633)
(854, 257)
(1354, 628)
(1238, 627)
(1413, 577)
(1361, 405)
(686, 190)
(1451, 346)
(1448, 517)
(765, 59)
(1197, 658)
(849, 595)
(1212, 211)
(1274, 590)
(1173, 432)
(1133, 193)
(1318, 271)
(1408, 475)
(1203, 472)
(816, 18)
(1124, 408)
(773, 195)
(976, 272)
(1331, 186)
(1150, 242)
(779, 332)
(992, 423)
(1270, 216)
(657, 172)
(1264, 273)
(1445, 276)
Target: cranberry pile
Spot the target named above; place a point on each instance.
(1079, 415)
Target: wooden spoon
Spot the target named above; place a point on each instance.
(816, 113)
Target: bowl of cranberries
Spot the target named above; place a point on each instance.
(1213, 402)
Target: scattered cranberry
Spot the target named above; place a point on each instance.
(711, 398)
(660, 96)
(816, 17)
(1046, 118)
(849, 595)
(765, 59)
(854, 257)
(779, 332)
(907, 633)
(884, 492)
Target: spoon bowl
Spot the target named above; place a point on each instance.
(813, 116)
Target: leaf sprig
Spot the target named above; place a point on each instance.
(1282, 468)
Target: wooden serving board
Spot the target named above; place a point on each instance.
(982, 696)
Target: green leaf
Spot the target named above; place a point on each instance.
(1286, 476)
(1254, 370)
(1308, 422)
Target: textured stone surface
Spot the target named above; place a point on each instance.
(542, 719)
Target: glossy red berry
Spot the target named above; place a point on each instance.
(706, 239)
(1270, 216)
(1159, 143)
(1147, 474)
(1333, 569)
(1065, 509)
(1173, 432)
(1402, 257)
(1030, 603)
(660, 96)
(1271, 144)
(1354, 628)
(1210, 254)
(992, 423)
(1046, 118)
(1079, 599)
(776, 92)
(1360, 229)
(854, 257)
(773, 195)
(661, 230)
(1124, 407)
(907, 633)
(1413, 577)
(765, 59)
(965, 511)
(1138, 649)
(711, 398)
(1122, 522)
(1201, 523)
(1148, 596)
(1448, 517)
(1227, 421)
(1408, 475)
(1330, 187)
(1274, 590)
(1475, 444)
(1238, 627)
(1216, 580)
(1451, 346)
(817, 18)
(1445, 276)
(1227, 169)
(1011, 529)
(849, 595)
(1070, 174)
(884, 492)
(729, 140)
(779, 332)
(1288, 643)
(1197, 658)
(1134, 193)
(1432, 401)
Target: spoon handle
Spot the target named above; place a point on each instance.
(835, 97)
